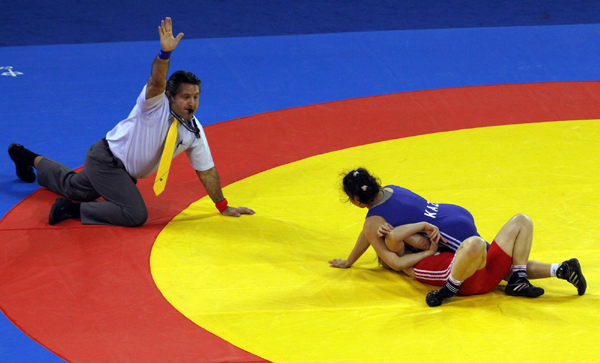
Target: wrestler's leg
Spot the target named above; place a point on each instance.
(535, 270)
(515, 239)
(520, 230)
(470, 257)
(569, 270)
(538, 270)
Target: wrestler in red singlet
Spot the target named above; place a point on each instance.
(435, 270)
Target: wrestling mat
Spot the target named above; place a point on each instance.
(192, 285)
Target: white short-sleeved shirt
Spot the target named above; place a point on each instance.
(138, 141)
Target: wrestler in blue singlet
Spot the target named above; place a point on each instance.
(404, 207)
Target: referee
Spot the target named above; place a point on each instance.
(130, 151)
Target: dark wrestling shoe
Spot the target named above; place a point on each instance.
(437, 297)
(24, 171)
(571, 271)
(61, 210)
(520, 286)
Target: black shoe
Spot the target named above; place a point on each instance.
(520, 286)
(24, 171)
(437, 297)
(61, 210)
(571, 271)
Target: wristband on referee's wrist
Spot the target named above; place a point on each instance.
(222, 205)
(164, 55)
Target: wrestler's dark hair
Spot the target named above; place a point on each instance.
(178, 78)
(360, 183)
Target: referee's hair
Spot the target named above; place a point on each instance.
(178, 78)
(360, 183)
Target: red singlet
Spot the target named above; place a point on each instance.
(435, 270)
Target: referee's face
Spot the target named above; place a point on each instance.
(185, 102)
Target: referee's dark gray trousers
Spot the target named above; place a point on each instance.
(103, 176)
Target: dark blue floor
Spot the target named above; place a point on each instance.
(31, 22)
(73, 94)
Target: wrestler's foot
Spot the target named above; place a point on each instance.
(571, 271)
(520, 286)
(23, 159)
(437, 297)
(63, 209)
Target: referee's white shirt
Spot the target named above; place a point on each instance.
(138, 141)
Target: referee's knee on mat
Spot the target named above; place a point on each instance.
(136, 218)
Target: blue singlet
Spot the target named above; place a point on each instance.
(404, 207)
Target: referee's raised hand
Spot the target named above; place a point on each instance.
(165, 30)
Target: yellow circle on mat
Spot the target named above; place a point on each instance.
(263, 283)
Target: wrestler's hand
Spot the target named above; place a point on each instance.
(236, 212)
(433, 248)
(339, 263)
(165, 30)
(384, 229)
(433, 232)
